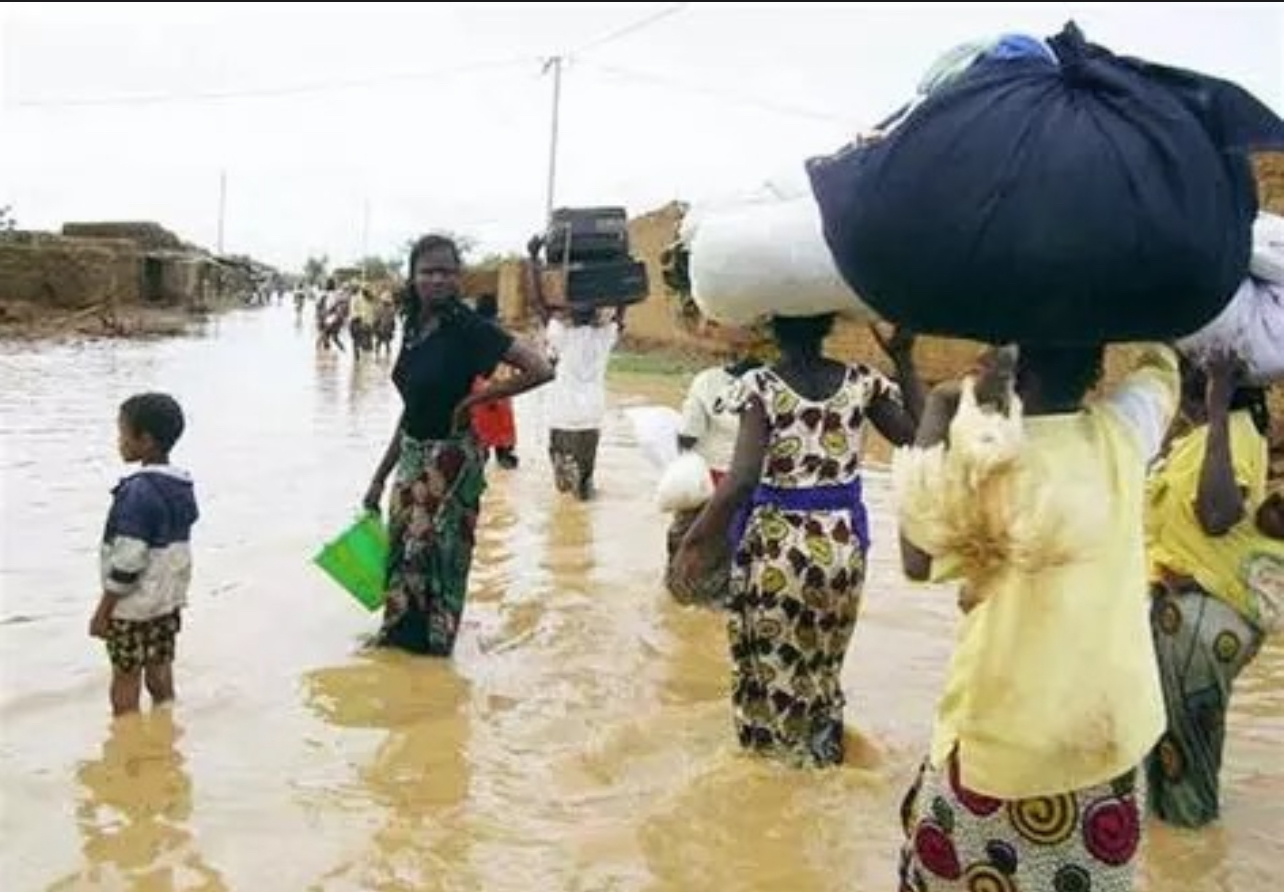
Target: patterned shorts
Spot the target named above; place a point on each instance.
(133, 644)
(958, 840)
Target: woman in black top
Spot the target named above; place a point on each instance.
(437, 493)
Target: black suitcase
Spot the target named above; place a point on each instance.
(576, 235)
(607, 283)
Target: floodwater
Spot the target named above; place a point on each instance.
(579, 741)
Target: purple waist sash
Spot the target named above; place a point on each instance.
(847, 497)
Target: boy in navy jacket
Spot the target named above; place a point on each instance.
(146, 557)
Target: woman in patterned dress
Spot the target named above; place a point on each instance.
(1211, 559)
(793, 501)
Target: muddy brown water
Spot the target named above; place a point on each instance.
(579, 741)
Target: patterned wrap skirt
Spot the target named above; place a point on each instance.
(431, 525)
(1202, 645)
(958, 840)
(796, 584)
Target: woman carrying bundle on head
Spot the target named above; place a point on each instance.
(792, 498)
(1217, 570)
(1052, 700)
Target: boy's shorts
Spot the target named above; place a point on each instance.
(133, 644)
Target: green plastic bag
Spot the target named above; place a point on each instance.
(358, 560)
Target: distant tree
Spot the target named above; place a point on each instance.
(315, 270)
(7, 222)
(374, 267)
(467, 244)
(495, 258)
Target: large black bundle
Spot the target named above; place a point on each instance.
(1090, 198)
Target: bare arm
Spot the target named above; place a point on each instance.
(100, 622)
(738, 485)
(892, 420)
(1219, 504)
(533, 370)
(912, 390)
(534, 281)
(938, 412)
(899, 347)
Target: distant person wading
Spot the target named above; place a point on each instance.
(577, 399)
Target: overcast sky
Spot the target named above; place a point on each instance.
(437, 115)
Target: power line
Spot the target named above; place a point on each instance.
(795, 111)
(631, 28)
(556, 64)
(268, 92)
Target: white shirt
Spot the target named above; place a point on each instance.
(577, 396)
(706, 420)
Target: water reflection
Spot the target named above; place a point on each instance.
(570, 555)
(366, 374)
(328, 365)
(134, 811)
(505, 603)
(694, 653)
(419, 774)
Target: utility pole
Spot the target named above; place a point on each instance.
(365, 237)
(222, 207)
(555, 63)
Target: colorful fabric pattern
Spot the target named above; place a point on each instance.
(958, 840)
(796, 576)
(431, 527)
(134, 644)
(1202, 645)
